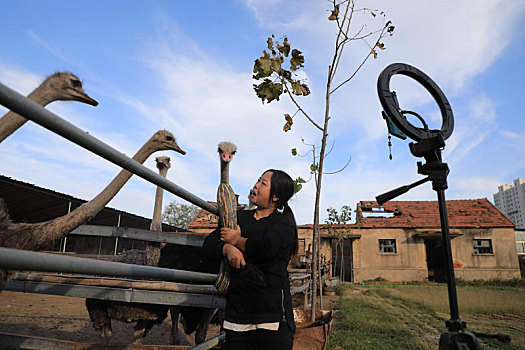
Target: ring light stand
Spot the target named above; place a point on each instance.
(428, 145)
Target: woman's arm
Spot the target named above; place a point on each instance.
(233, 237)
(234, 256)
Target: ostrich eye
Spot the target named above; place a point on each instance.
(76, 83)
(169, 138)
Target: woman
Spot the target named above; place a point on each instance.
(258, 303)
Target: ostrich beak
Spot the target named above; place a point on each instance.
(81, 96)
(176, 148)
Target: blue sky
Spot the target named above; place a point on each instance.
(186, 67)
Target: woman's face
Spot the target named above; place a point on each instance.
(260, 193)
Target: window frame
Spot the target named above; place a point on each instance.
(392, 245)
(479, 249)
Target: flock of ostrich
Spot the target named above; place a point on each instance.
(64, 86)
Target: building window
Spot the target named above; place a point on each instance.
(483, 246)
(387, 246)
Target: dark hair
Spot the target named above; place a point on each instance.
(282, 186)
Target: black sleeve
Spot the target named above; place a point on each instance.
(213, 246)
(281, 235)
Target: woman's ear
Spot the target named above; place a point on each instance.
(275, 199)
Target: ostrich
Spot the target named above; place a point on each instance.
(101, 312)
(37, 236)
(195, 319)
(150, 256)
(61, 86)
(226, 200)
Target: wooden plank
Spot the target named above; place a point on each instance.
(118, 294)
(300, 289)
(20, 341)
(118, 283)
(182, 238)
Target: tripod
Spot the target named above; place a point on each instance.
(428, 145)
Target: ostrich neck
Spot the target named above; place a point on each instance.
(64, 224)
(11, 121)
(225, 172)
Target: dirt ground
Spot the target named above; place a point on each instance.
(66, 318)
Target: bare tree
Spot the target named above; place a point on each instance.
(277, 69)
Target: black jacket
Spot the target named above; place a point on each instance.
(260, 293)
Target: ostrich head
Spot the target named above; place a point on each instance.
(226, 151)
(164, 140)
(63, 86)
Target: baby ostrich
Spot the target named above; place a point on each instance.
(61, 86)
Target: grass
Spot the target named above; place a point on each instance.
(471, 300)
(413, 316)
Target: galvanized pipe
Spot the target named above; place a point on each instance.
(33, 111)
(16, 259)
(210, 343)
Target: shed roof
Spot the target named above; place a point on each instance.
(30, 203)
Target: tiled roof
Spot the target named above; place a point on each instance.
(472, 213)
(204, 219)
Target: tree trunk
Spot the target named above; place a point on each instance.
(316, 235)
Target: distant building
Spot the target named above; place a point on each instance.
(520, 240)
(510, 200)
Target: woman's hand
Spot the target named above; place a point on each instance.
(231, 236)
(234, 256)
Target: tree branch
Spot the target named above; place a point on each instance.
(364, 61)
(299, 107)
(338, 171)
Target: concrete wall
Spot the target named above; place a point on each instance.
(502, 264)
(407, 264)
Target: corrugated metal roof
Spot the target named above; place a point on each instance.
(30, 203)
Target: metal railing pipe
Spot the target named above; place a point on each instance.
(38, 114)
(16, 259)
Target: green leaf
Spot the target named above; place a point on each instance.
(294, 152)
(268, 91)
(300, 89)
(297, 60)
(313, 168)
(297, 184)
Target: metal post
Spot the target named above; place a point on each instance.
(15, 259)
(445, 235)
(38, 114)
